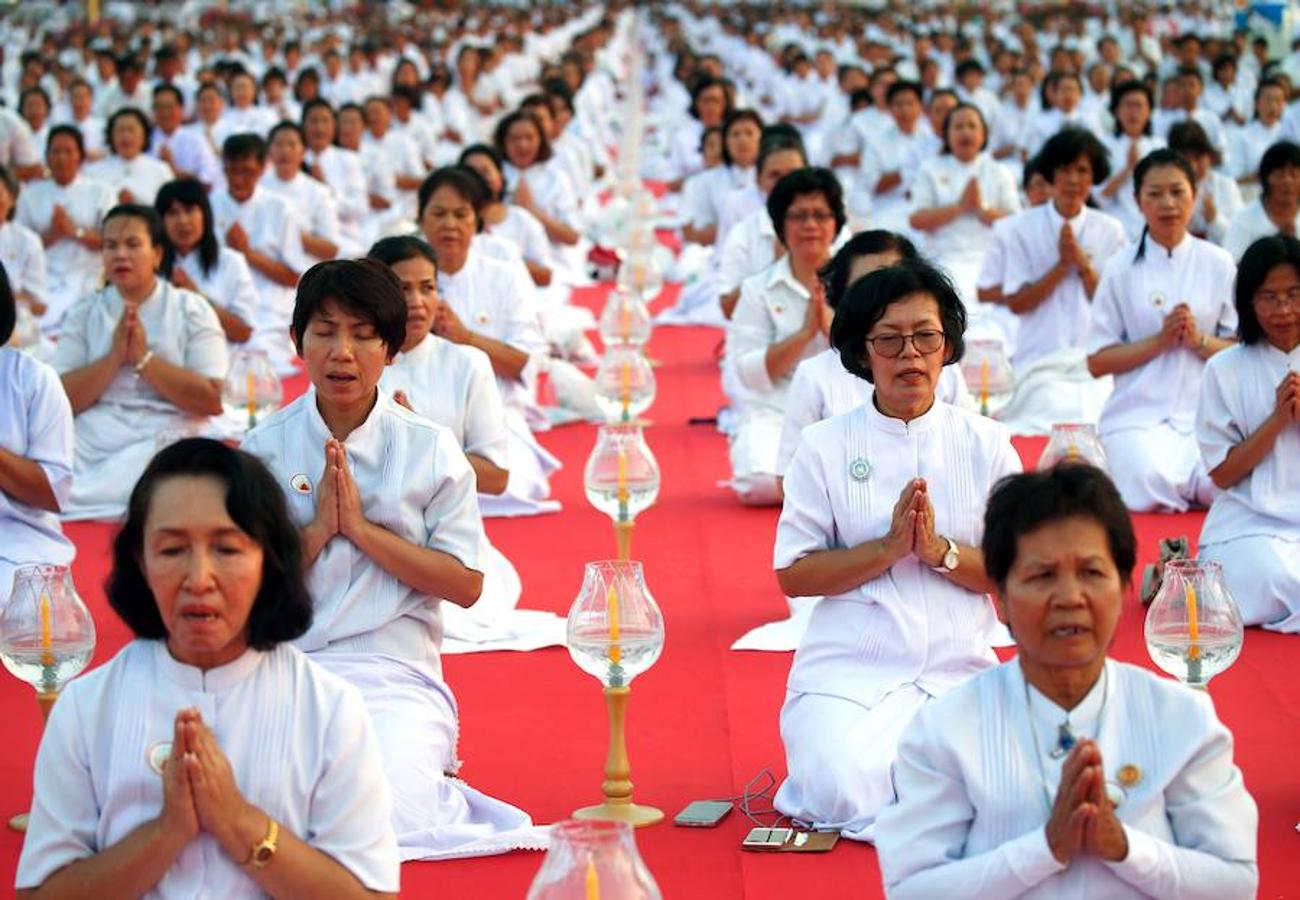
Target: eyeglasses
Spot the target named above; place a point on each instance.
(816, 216)
(891, 345)
(1275, 300)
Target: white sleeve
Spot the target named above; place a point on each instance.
(924, 193)
(749, 334)
(1227, 208)
(801, 410)
(73, 349)
(288, 247)
(523, 331)
(699, 208)
(1017, 268)
(1107, 311)
(921, 837)
(991, 269)
(33, 275)
(50, 436)
(352, 200)
(734, 262)
(1238, 237)
(486, 434)
(23, 150)
(350, 819)
(1008, 195)
(239, 293)
(807, 523)
(1217, 430)
(452, 516)
(954, 390)
(205, 343)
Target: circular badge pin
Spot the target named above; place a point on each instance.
(860, 469)
(158, 755)
(1129, 776)
(482, 318)
(300, 483)
(1157, 300)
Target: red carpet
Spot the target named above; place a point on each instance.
(704, 720)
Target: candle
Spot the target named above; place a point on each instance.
(252, 404)
(1193, 625)
(984, 388)
(622, 484)
(47, 632)
(593, 880)
(627, 388)
(615, 651)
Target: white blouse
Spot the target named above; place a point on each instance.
(942, 180)
(298, 739)
(522, 229)
(191, 152)
(453, 385)
(1032, 248)
(1248, 226)
(1227, 203)
(1238, 392)
(314, 202)
(229, 283)
(274, 228)
(142, 176)
(974, 775)
(750, 247)
(910, 624)
(23, 257)
(72, 267)
(892, 151)
(414, 481)
(1130, 305)
(1124, 206)
(550, 187)
(716, 185)
(346, 178)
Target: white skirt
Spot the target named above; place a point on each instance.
(753, 450)
(1263, 574)
(494, 622)
(1056, 389)
(529, 488)
(1157, 469)
(435, 814)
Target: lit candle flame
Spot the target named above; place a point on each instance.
(1193, 624)
(615, 651)
(47, 632)
(593, 880)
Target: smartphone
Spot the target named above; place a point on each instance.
(703, 813)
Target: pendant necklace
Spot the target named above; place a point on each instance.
(1066, 738)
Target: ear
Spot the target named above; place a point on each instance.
(1000, 606)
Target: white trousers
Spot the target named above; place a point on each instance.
(1263, 574)
(753, 450)
(1157, 469)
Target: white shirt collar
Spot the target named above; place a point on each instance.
(927, 421)
(781, 273)
(1059, 220)
(213, 680)
(321, 432)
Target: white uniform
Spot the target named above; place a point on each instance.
(23, 258)
(117, 436)
(274, 228)
(1247, 146)
(17, 148)
(345, 177)
(1253, 528)
(191, 153)
(1123, 206)
(974, 776)
(228, 284)
(272, 713)
(874, 654)
(773, 306)
(890, 151)
(1146, 425)
(1248, 226)
(36, 424)
(74, 269)
(497, 299)
(380, 634)
(1227, 203)
(142, 176)
(314, 203)
(1052, 380)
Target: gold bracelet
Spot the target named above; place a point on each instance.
(264, 851)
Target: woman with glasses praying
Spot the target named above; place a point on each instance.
(780, 319)
(883, 517)
(1248, 426)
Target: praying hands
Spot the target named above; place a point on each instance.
(1083, 818)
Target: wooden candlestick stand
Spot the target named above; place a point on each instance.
(44, 699)
(617, 786)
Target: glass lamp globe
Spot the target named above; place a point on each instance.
(1073, 443)
(252, 390)
(46, 633)
(615, 630)
(1193, 627)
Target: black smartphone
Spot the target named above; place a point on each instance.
(703, 813)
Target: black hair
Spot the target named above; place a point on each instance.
(286, 125)
(188, 192)
(947, 120)
(401, 247)
(34, 91)
(902, 85)
(1021, 504)
(867, 299)
(11, 182)
(124, 112)
(966, 66)
(712, 130)
(1070, 143)
(243, 146)
(1190, 72)
(146, 214)
(1164, 156)
(778, 138)
(1260, 258)
(1119, 92)
(165, 88)
(282, 609)
(735, 117)
(1281, 155)
(71, 131)
(8, 308)
(499, 136)
(413, 96)
(366, 288)
(277, 73)
(799, 183)
(461, 179)
(1189, 139)
(319, 102)
(490, 152)
(1265, 83)
(835, 274)
(1033, 166)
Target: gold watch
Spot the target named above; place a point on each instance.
(264, 852)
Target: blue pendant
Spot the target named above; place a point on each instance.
(1065, 740)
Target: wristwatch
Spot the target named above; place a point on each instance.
(950, 559)
(264, 851)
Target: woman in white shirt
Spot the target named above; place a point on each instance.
(956, 198)
(36, 447)
(1061, 773)
(385, 500)
(314, 201)
(780, 319)
(742, 135)
(1248, 426)
(1249, 142)
(21, 252)
(510, 220)
(133, 174)
(153, 773)
(138, 358)
(194, 259)
(710, 105)
(882, 518)
(1278, 209)
(1158, 315)
(65, 210)
(536, 179)
(1218, 199)
(1131, 106)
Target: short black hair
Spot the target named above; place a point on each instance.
(282, 609)
(285, 125)
(128, 112)
(1120, 91)
(867, 299)
(544, 151)
(401, 247)
(1162, 156)
(735, 117)
(364, 287)
(70, 131)
(14, 186)
(8, 308)
(188, 192)
(703, 83)
(902, 85)
(319, 102)
(461, 179)
(1189, 139)
(165, 88)
(1033, 166)
(835, 274)
(490, 152)
(1260, 258)
(800, 182)
(147, 214)
(1281, 155)
(1021, 504)
(947, 120)
(777, 138)
(1067, 145)
(244, 146)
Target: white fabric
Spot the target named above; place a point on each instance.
(17, 148)
(890, 151)
(23, 259)
(1253, 528)
(971, 809)
(1054, 390)
(751, 246)
(1227, 203)
(273, 714)
(228, 284)
(1248, 226)
(345, 177)
(1146, 425)
(191, 153)
(36, 424)
(1123, 206)
(141, 176)
(314, 204)
(116, 437)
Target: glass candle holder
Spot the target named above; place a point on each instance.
(1193, 627)
(1073, 443)
(625, 320)
(624, 383)
(615, 629)
(593, 860)
(46, 633)
(252, 390)
(621, 478)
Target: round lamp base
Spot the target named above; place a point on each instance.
(635, 814)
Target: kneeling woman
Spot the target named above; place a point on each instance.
(138, 358)
(1159, 314)
(208, 757)
(882, 517)
(391, 531)
(1061, 773)
(1248, 426)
